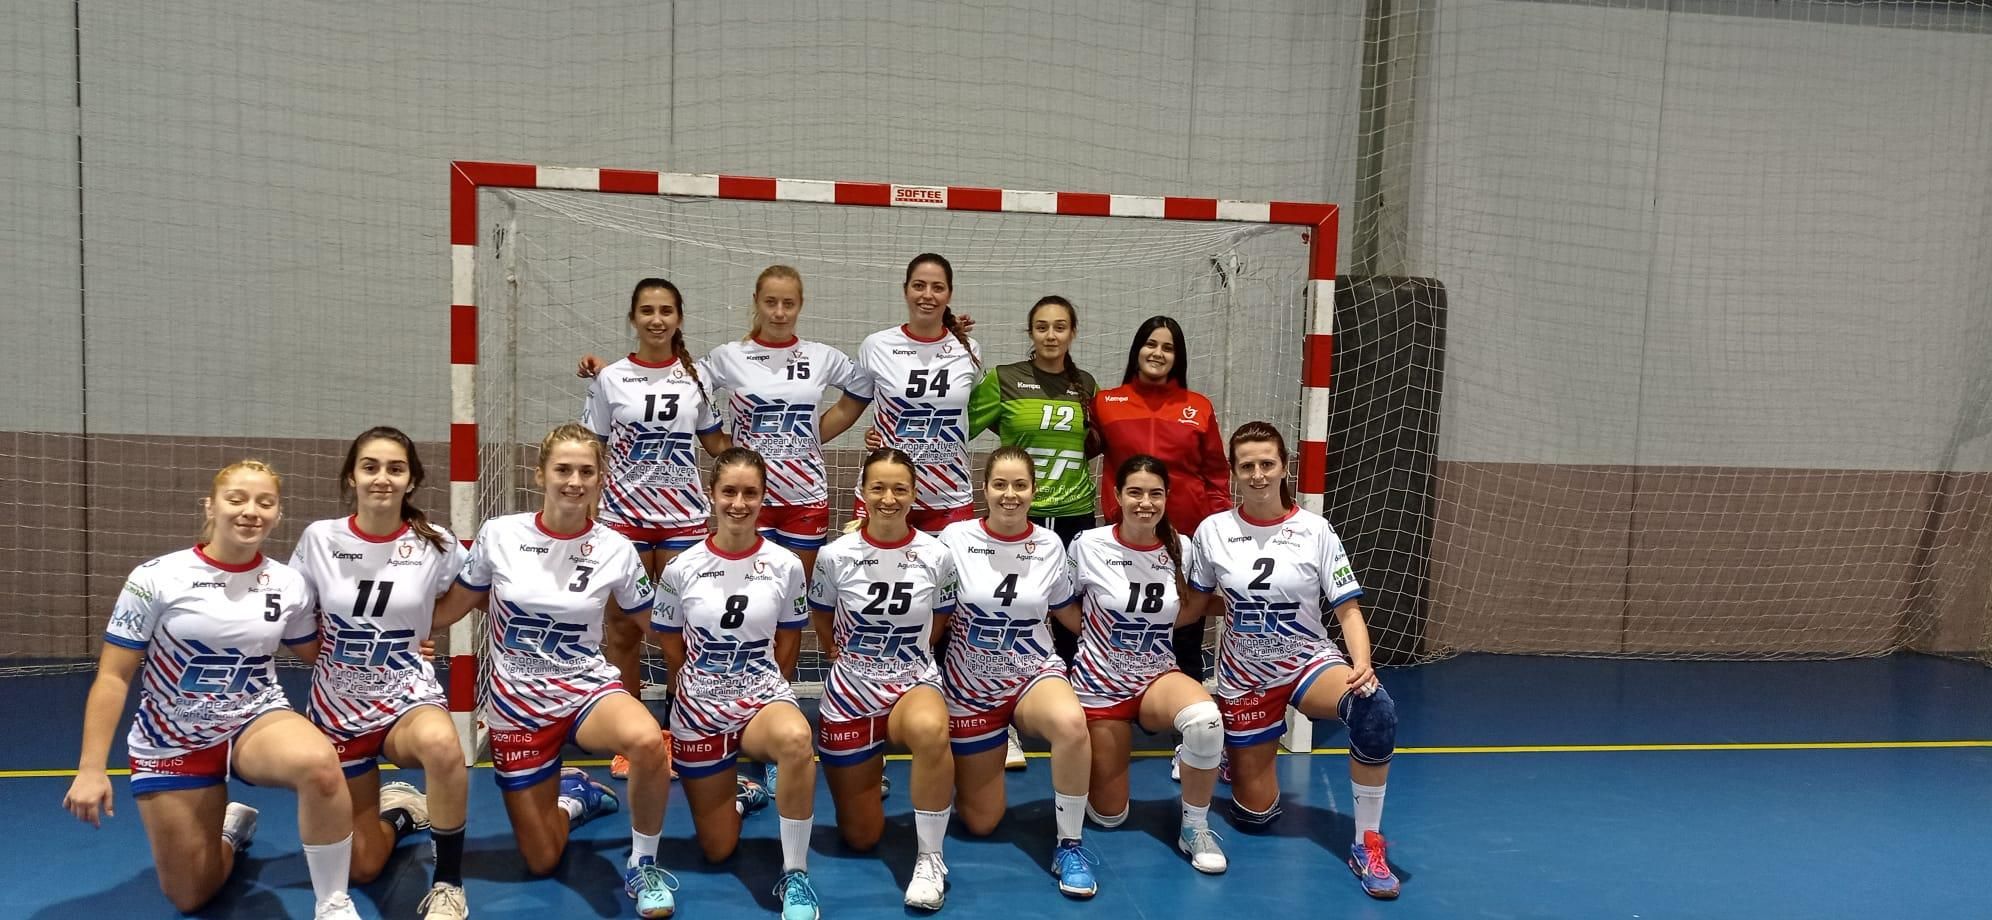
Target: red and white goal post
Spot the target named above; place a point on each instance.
(542, 273)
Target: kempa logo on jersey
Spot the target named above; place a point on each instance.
(1120, 562)
(713, 573)
(979, 551)
(1237, 539)
(636, 380)
(528, 548)
(209, 584)
(343, 555)
(138, 592)
(905, 351)
(760, 357)
(867, 562)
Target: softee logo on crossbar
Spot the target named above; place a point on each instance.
(920, 196)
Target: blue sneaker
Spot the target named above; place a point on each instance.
(1367, 860)
(1073, 864)
(769, 777)
(798, 896)
(750, 796)
(651, 886)
(596, 799)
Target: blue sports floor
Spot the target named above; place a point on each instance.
(1524, 787)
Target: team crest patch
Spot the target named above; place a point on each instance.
(405, 550)
(587, 548)
(262, 579)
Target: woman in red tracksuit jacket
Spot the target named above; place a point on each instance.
(1155, 412)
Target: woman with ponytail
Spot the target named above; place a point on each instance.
(377, 573)
(1132, 596)
(649, 407)
(922, 373)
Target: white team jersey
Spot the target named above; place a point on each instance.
(773, 394)
(376, 603)
(548, 592)
(922, 389)
(885, 599)
(652, 416)
(210, 634)
(1000, 635)
(728, 608)
(1129, 599)
(1275, 576)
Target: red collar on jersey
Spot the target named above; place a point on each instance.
(877, 545)
(639, 362)
(353, 524)
(1275, 522)
(764, 343)
(723, 554)
(539, 521)
(908, 329)
(1123, 541)
(226, 567)
(1019, 538)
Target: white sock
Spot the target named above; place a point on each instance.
(795, 843)
(572, 806)
(1197, 816)
(930, 827)
(330, 864)
(642, 844)
(1070, 811)
(1369, 808)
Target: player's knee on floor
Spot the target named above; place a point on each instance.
(1107, 820)
(1203, 735)
(1245, 819)
(1372, 722)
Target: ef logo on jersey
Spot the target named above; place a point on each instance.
(367, 648)
(928, 424)
(226, 671)
(778, 418)
(537, 635)
(673, 448)
(989, 633)
(1137, 637)
(886, 641)
(725, 656)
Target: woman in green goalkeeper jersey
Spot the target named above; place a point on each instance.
(1039, 404)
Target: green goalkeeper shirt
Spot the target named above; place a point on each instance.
(1043, 414)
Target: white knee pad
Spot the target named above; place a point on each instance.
(1107, 820)
(1203, 735)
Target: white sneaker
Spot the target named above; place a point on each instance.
(1014, 759)
(1176, 765)
(1200, 845)
(407, 798)
(444, 902)
(238, 825)
(336, 907)
(929, 888)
